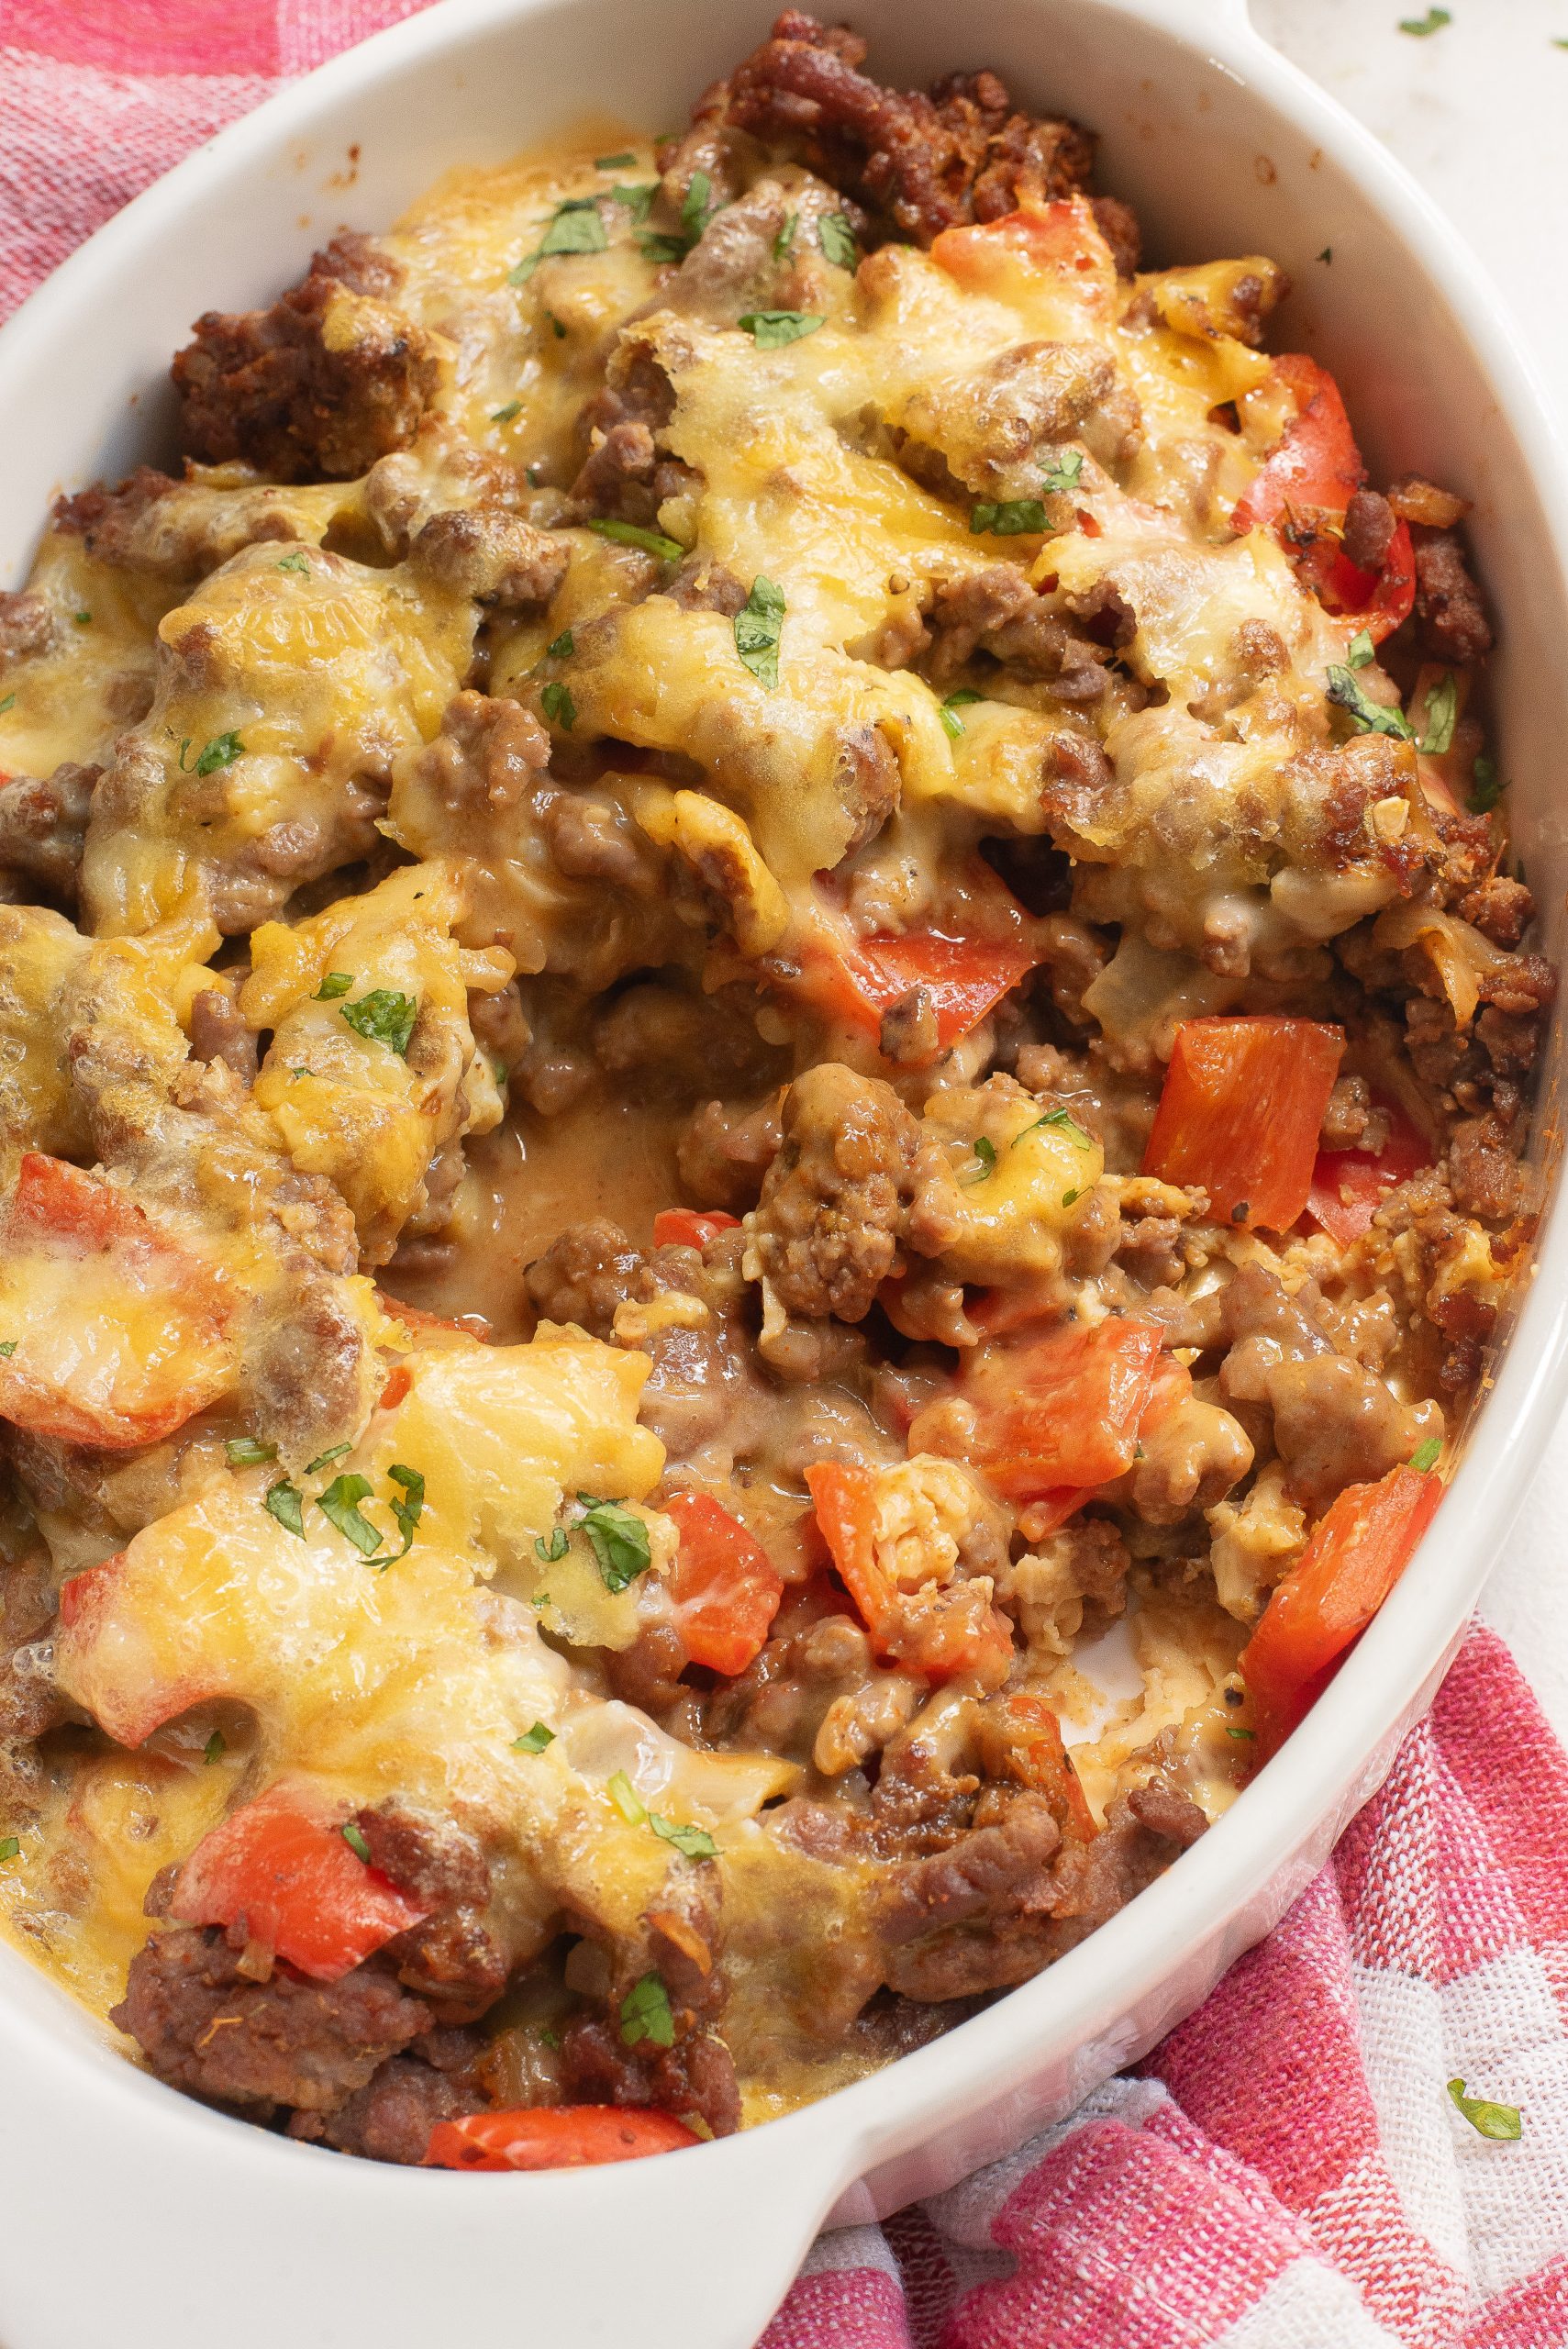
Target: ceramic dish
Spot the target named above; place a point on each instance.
(196, 2222)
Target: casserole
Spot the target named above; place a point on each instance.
(1267, 171)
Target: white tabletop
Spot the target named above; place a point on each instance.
(1478, 111)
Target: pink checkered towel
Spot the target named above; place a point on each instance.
(1290, 2172)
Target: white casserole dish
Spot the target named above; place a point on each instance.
(134, 2215)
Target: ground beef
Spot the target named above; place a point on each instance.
(43, 825)
(390, 2118)
(1369, 529)
(1451, 619)
(584, 1273)
(921, 162)
(622, 476)
(1143, 1832)
(1118, 224)
(1483, 1170)
(1501, 909)
(724, 1150)
(27, 625)
(695, 2075)
(1336, 1423)
(454, 1958)
(835, 1199)
(998, 611)
(486, 756)
(494, 556)
(31, 1702)
(997, 1870)
(109, 522)
(299, 403)
(220, 1033)
(207, 2027)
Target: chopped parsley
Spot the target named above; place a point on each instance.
(1327, 253)
(1443, 714)
(216, 1747)
(574, 227)
(619, 1542)
(285, 1502)
(505, 415)
(786, 237)
(614, 163)
(660, 249)
(769, 329)
(947, 713)
(220, 751)
(1485, 788)
(1064, 476)
(299, 561)
(1368, 715)
(8, 1348)
(985, 1161)
(564, 647)
(10, 1847)
(698, 208)
(1014, 517)
(535, 1740)
(1071, 1198)
(9, 703)
(1419, 26)
(384, 1017)
(645, 2014)
(1068, 1123)
(559, 706)
(325, 1459)
(693, 1843)
(556, 327)
(632, 534)
(639, 200)
(837, 239)
(558, 1546)
(1502, 2121)
(356, 1842)
(1426, 1455)
(335, 984)
(248, 1450)
(339, 1504)
(82, 619)
(624, 1795)
(1360, 650)
(759, 625)
(1232, 1731)
(411, 1507)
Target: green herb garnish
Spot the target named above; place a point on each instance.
(248, 1450)
(9, 703)
(1369, 717)
(559, 1545)
(356, 1842)
(10, 1847)
(1327, 253)
(325, 1459)
(769, 329)
(1064, 476)
(637, 200)
(299, 561)
(535, 1740)
(1360, 650)
(1443, 714)
(632, 534)
(8, 1348)
(1419, 26)
(698, 209)
(221, 751)
(693, 1843)
(1502, 2121)
(556, 327)
(564, 647)
(985, 1158)
(287, 1505)
(837, 239)
(216, 1747)
(759, 625)
(339, 1505)
(645, 2014)
(614, 163)
(624, 1795)
(1485, 789)
(384, 1017)
(411, 1507)
(619, 1542)
(505, 415)
(82, 619)
(1014, 517)
(559, 706)
(786, 237)
(335, 984)
(1426, 1455)
(1231, 1732)
(952, 723)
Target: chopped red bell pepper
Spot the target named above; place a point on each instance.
(723, 1586)
(1060, 239)
(556, 2137)
(83, 1369)
(1240, 1111)
(1061, 1411)
(1349, 1185)
(282, 1868)
(940, 1630)
(1023, 1741)
(965, 978)
(684, 1228)
(1357, 1553)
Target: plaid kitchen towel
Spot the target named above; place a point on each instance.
(1290, 2172)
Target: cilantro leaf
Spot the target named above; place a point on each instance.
(637, 200)
(559, 706)
(10, 1847)
(645, 2014)
(1485, 789)
(339, 1504)
(1432, 22)
(660, 247)
(8, 1348)
(299, 561)
(1327, 253)
(1502, 2121)
(220, 751)
(619, 1542)
(1065, 475)
(325, 1459)
(248, 1451)
(1232, 1731)
(505, 415)
(786, 237)
(694, 1843)
(9, 703)
(563, 648)
(1369, 717)
(698, 208)
(1067, 1122)
(575, 226)
(632, 534)
(535, 1740)
(1360, 650)
(614, 163)
(558, 1546)
(624, 1795)
(985, 1155)
(335, 984)
(216, 1747)
(947, 713)
(1443, 716)
(356, 1842)
(285, 1503)
(1012, 519)
(759, 625)
(411, 1507)
(1426, 1455)
(384, 1017)
(837, 239)
(769, 329)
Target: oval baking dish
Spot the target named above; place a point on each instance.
(198, 2223)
